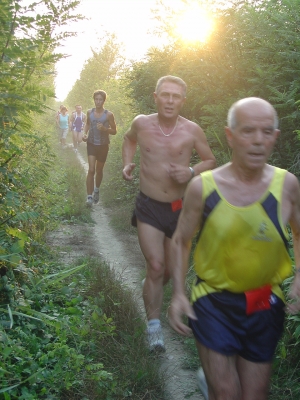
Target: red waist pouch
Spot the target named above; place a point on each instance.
(258, 299)
(176, 205)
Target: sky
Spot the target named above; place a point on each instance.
(132, 22)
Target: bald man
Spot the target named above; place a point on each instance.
(241, 211)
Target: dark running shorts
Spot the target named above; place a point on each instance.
(224, 327)
(98, 151)
(156, 213)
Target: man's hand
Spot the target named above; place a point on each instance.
(294, 294)
(127, 171)
(180, 306)
(84, 137)
(180, 173)
(101, 127)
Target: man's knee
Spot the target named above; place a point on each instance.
(99, 168)
(91, 172)
(155, 268)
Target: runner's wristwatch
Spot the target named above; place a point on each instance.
(192, 172)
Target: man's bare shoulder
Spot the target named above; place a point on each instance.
(191, 126)
(143, 120)
(291, 184)
(222, 172)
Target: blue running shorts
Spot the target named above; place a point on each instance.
(224, 327)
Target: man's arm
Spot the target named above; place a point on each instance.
(129, 149)
(293, 190)
(71, 119)
(208, 161)
(189, 221)
(83, 121)
(87, 126)
(112, 130)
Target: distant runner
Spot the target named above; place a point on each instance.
(62, 121)
(100, 124)
(77, 122)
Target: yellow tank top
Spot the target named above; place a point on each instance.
(241, 248)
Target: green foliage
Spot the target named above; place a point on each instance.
(254, 51)
(52, 332)
(101, 71)
(73, 321)
(29, 36)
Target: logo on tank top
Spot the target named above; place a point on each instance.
(261, 234)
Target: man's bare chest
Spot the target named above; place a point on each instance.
(159, 146)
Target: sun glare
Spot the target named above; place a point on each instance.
(194, 25)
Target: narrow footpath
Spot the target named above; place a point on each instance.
(123, 254)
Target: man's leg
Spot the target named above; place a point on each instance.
(79, 137)
(99, 173)
(168, 266)
(221, 374)
(90, 180)
(234, 378)
(254, 379)
(152, 245)
(74, 137)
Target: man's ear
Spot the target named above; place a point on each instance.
(229, 135)
(277, 133)
(154, 96)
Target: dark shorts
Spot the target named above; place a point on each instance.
(100, 152)
(157, 213)
(224, 327)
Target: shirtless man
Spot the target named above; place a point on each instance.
(77, 121)
(100, 123)
(166, 142)
(241, 257)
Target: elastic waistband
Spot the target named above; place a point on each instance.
(144, 196)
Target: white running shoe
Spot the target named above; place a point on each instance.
(89, 201)
(96, 197)
(202, 384)
(156, 340)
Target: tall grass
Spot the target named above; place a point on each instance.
(70, 331)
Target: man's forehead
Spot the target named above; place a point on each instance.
(252, 116)
(170, 87)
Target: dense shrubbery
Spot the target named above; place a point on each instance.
(254, 51)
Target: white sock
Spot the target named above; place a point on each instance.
(96, 190)
(153, 325)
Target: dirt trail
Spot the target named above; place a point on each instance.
(122, 252)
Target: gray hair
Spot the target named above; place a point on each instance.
(173, 79)
(231, 116)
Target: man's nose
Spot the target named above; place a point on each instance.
(258, 136)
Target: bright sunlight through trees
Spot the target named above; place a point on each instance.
(195, 24)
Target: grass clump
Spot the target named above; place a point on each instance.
(68, 331)
(124, 353)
